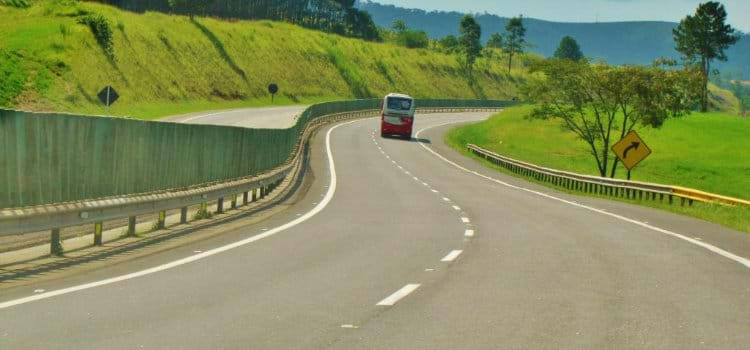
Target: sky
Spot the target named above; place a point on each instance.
(585, 10)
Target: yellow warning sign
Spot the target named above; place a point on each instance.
(631, 150)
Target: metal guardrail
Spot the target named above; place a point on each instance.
(56, 216)
(605, 186)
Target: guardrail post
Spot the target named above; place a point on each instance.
(245, 198)
(183, 215)
(55, 244)
(131, 226)
(682, 201)
(161, 222)
(670, 199)
(234, 201)
(255, 194)
(220, 206)
(98, 228)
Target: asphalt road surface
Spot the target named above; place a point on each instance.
(262, 118)
(397, 247)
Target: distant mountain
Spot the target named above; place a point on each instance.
(614, 42)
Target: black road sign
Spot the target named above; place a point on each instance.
(273, 89)
(108, 96)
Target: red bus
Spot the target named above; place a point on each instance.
(397, 116)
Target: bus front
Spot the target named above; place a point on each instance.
(397, 116)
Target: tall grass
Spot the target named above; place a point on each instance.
(164, 60)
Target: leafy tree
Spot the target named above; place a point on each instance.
(469, 42)
(601, 103)
(569, 49)
(703, 37)
(515, 38)
(495, 41)
(399, 26)
(191, 7)
(449, 44)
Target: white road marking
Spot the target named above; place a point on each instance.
(317, 209)
(416, 178)
(429, 270)
(435, 191)
(456, 207)
(446, 199)
(350, 326)
(469, 233)
(426, 184)
(200, 116)
(37, 291)
(712, 248)
(452, 256)
(398, 295)
(465, 220)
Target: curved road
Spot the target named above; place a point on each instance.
(397, 247)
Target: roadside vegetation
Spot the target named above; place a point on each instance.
(580, 109)
(700, 151)
(163, 64)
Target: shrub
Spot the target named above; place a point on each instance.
(102, 32)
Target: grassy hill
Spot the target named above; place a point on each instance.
(166, 64)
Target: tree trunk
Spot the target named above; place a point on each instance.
(510, 61)
(704, 96)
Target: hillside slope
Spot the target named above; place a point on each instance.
(168, 64)
(616, 42)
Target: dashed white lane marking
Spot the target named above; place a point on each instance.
(429, 270)
(446, 199)
(712, 248)
(398, 295)
(455, 207)
(465, 220)
(426, 184)
(452, 256)
(349, 326)
(206, 254)
(416, 178)
(469, 233)
(37, 291)
(435, 191)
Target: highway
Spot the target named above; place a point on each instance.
(262, 118)
(409, 245)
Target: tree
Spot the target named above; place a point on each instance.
(598, 102)
(191, 7)
(569, 50)
(399, 26)
(515, 39)
(495, 41)
(449, 44)
(703, 37)
(469, 42)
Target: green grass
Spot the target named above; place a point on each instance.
(165, 64)
(701, 151)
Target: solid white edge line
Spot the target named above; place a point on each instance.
(712, 248)
(318, 208)
(398, 295)
(452, 256)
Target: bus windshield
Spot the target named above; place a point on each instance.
(399, 104)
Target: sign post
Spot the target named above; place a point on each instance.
(273, 89)
(108, 96)
(631, 150)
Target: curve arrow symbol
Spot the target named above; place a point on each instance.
(633, 145)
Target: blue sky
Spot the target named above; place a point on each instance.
(585, 10)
